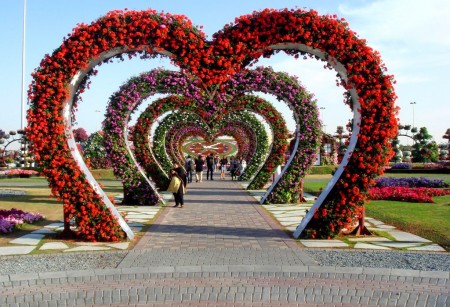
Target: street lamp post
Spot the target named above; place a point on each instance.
(22, 98)
(413, 104)
(323, 108)
(97, 111)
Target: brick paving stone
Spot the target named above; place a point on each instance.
(221, 250)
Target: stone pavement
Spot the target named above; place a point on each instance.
(223, 249)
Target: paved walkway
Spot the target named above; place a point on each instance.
(223, 249)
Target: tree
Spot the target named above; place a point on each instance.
(80, 135)
(424, 148)
(95, 151)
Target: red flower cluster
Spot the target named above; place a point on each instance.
(417, 195)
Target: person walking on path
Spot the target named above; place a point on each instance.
(216, 163)
(199, 162)
(189, 165)
(223, 167)
(210, 166)
(233, 167)
(178, 184)
(241, 167)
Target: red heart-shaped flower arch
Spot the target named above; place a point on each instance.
(62, 76)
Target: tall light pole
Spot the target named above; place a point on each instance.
(413, 104)
(97, 111)
(323, 108)
(22, 115)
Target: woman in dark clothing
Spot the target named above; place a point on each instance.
(199, 162)
(179, 173)
(223, 167)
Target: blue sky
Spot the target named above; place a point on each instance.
(411, 36)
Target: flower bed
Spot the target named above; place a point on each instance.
(9, 219)
(417, 195)
(410, 182)
(18, 172)
(402, 166)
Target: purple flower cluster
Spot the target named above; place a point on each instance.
(411, 182)
(10, 218)
(402, 166)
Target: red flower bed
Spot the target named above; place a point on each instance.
(414, 195)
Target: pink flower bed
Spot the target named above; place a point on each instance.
(9, 219)
(418, 195)
(18, 172)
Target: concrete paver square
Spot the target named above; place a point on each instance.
(323, 243)
(122, 245)
(138, 220)
(53, 245)
(385, 227)
(398, 244)
(428, 248)
(292, 219)
(369, 239)
(139, 216)
(16, 250)
(28, 239)
(134, 224)
(54, 225)
(85, 248)
(360, 245)
(44, 231)
(407, 237)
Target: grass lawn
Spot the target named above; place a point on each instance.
(430, 221)
(38, 200)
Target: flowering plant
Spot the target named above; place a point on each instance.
(244, 136)
(9, 219)
(258, 105)
(94, 150)
(411, 182)
(402, 166)
(401, 193)
(296, 32)
(17, 171)
(174, 129)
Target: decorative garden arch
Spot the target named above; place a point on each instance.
(62, 76)
(189, 121)
(147, 118)
(242, 135)
(115, 149)
(259, 148)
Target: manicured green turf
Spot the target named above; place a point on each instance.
(38, 200)
(430, 221)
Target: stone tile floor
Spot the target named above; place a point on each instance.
(288, 215)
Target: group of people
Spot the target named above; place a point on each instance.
(180, 175)
(196, 166)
